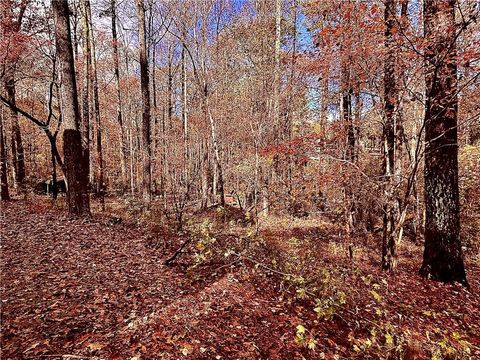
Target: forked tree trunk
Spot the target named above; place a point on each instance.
(76, 163)
(442, 258)
(144, 84)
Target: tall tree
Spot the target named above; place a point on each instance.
(76, 163)
(276, 70)
(123, 137)
(145, 89)
(4, 193)
(87, 82)
(11, 25)
(389, 253)
(96, 107)
(442, 258)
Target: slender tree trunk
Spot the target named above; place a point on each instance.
(132, 164)
(276, 70)
(184, 112)
(349, 155)
(4, 193)
(9, 28)
(289, 117)
(54, 168)
(18, 155)
(87, 82)
(76, 163)
(324, 104)
(389, 244)
(144, 83)
(123, 137)
(443, 257)
(170, 88)
(216, 153)
(155, 120)
(96, 109)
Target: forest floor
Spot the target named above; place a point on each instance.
(78, 289)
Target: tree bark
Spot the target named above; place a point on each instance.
(9, 28)
(87, 82)
(145, 89)
(276, 70)
(442, 258)
(4, 192)
(76, 163)
(349, 154)
(389, 244)
(123, 137)
(18, 155)
(96, 109)
(184, 111)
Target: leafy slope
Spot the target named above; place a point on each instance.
(82, 289)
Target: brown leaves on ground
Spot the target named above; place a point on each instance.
(87, 289)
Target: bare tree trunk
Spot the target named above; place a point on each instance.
(155, 119)
(76, 163)
(205, 174)
(216, 154)
(289, 117)
(54, 169)
(144, 83)
(123, 137)
(96, 108)
(87, 82)
(349, 154)
(276, 70)
(184, 112)
(132, 165)
(9, 30)
(4, 193)
(443, 257)
(18, 156)
(170, 88)
(389, 243)
(324, 104)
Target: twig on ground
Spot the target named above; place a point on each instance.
(172, 258)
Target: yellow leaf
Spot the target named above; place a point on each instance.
(301, 329)
(311, 343)
(94, 346)
(376, 295)
(388, 339)
(427, 313)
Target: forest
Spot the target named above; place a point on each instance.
(240, 179)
